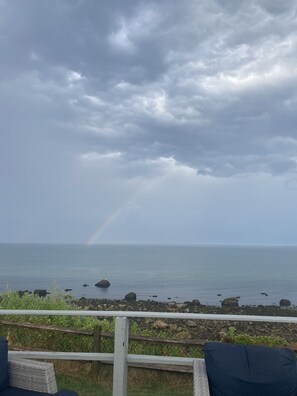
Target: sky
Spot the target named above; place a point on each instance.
(154, 122)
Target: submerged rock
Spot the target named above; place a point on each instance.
(103, 283)
(130, 296)
(284, 302)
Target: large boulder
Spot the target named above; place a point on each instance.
(230, 302)
(130, 296)
(284, 302)
(103, 283)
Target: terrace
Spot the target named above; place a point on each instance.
(121, 358)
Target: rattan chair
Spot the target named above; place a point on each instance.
(34, 376)
(201, 387)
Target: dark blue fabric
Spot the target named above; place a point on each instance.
(11, 391)
(66, 392)
(4, 378)
(249, 370)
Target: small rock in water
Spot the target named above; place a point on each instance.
(68, 290)
(85, 285)
(155, 296)
(284, 302)
(130, 296)
(168, 298)
(264, 294)
(41, 292)
(219, 294)
(22, 292)
(103, 283)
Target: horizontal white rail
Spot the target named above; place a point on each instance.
(104, 357)
(164, 315)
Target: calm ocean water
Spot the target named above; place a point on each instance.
(177, 272)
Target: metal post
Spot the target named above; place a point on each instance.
(120, 370)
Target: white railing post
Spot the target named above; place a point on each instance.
(120, 369)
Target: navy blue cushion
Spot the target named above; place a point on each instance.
(11, 391)
(4, 378)
(249, 370)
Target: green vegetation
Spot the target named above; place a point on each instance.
(54, 301)
(42, 337)
(59, 341)
(248, 339)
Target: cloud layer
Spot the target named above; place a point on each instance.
(104, 104)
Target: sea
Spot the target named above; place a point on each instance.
(255, 274)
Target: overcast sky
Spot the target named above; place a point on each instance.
(128, 121)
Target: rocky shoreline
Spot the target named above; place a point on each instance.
(201, 329)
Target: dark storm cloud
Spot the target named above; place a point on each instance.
(189, 80)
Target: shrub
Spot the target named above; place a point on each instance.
(243, 338)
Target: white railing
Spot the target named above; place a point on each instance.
(120, 358)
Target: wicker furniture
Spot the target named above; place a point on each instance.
(22, 377)
(201, 387)
(34, 376)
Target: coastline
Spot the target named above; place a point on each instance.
(201, 329)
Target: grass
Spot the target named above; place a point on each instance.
(150, 384)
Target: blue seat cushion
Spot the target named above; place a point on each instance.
(11, 391)
(4, 377)
(249, 370)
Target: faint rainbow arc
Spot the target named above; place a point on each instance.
(109, 220)
(117, 212)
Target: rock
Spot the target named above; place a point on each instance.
(68, 290)
(40, 292)
(219, 294)
(284, 302)
(172, 304)
(196, 302)
(160, 324)
(22, 292)
(85, 285)
(155, 296)
(230, 302)
(103, 283)
(130, 296)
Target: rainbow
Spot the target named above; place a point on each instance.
(111, 218)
